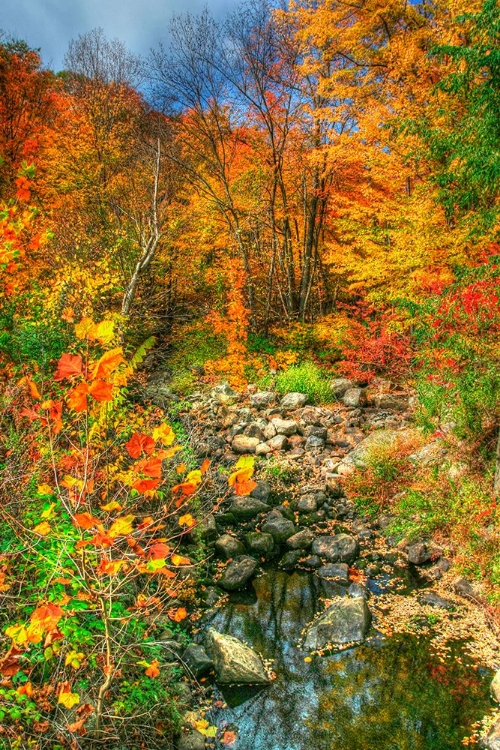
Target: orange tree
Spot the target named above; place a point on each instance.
(89, 560)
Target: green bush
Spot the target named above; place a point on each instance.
(305, 378)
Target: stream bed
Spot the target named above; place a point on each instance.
(391, 693)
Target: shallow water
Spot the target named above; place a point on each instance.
(388, 694)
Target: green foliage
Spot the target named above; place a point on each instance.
(305, 378)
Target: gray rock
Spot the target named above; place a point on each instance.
(434, 600)
(262, 449)
(253, 430)
(334, 485)
(278, 443)
(307, 504)
(286, 427)
(228, 546)
(269, 431)
(235, 662)
(423, 552)
(491, 741)
(262, 491)
(313, 430)
(463, 587)
(224, 394)
(194, 740)
(393, 401)
(313, 441)
(197, 661)
(245, 444)
(294, 401)
(432, 454)
(301, 540)
(238, 573)
(338, 548)
(345, 622)
(290, 560)
(259, 543)
(262, 399)
(313, 562)
(358, 591)
(335, 571)
(340, 385)
(183, 695)
(495, 687)
(247, 507)
(280, 528)
(354, 397)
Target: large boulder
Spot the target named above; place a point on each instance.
(379, 439)
(423, 552)
(224, 394)
(495, 687)
(354, 397)
(228, 546)
(491, 741)
(340, 385)
(245, 508)
(238, 573)
(259, 544)
(344, 623)
(278, 443)
(286, 427)
(393, 401)
(301, 540)
(338, 548)
(245, 443)
(294, 401)
(279, 527)
(235, 662)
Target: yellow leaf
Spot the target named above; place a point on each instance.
(43, 528)
(203, 727)
(49, 512)
(245, 462)
(179, 560)
(102, 332)
(307, 659)
(113, 505)
(187, 520)
(44, 489)
(194, 477)
(164, 433)
(121, 527)
(18, 633)
(68, 700)
(83, 327)
(74, 659)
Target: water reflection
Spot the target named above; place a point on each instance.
(385, 695)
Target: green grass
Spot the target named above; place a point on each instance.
(306, 378)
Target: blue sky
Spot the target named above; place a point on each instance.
(140, 24)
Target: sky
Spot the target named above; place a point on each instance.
(51, 24)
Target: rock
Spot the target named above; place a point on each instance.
(228, 546)
(334, 485)
(423, 552)
(247, 507)
(345, 622)
(224, 394)
(235, 662)
(463, 587)
(244, 444)
(194, 740)
(313, 562)
(294, 401)
(296, 453)
(262, 491)
(205, 529)
(334, 571)
(340, 385)
(262, 399)
(183, 695)
(269, 431)
(432, 454)
(372, 442)
(262, 449)
(160, 394)
(393, 401)
(354, 397)
(338, 548)
(253, 430)
(260, 544)
(495, 687)
(238, 573)
(358, 591)
(491, 741)
(314, 430)
(197, 661)
(434, 600)
(313, 441)
(280, 528)
(307, 504)
(301, 540)
(290, 560)
(278, 443)
(286, 427)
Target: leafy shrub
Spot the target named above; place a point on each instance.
(305, 378)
